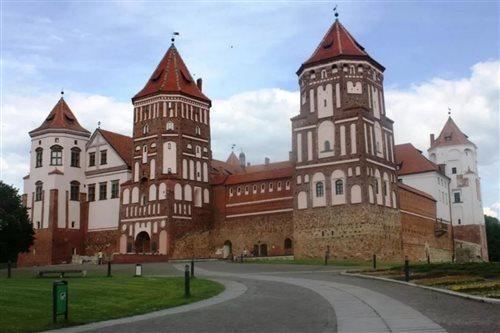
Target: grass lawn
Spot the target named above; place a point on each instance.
(473, 278)
(317, 262)
(26, 303)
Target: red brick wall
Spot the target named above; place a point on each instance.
(40, 253)
(105, 241)
(418, 222)
(473, 234)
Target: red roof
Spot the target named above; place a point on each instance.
(450, 135)
(171, 76)
(338, 42)
(122, 144)
(61, 117)
(261, 172)
(415, 191)
(411, 160)
(232, 159)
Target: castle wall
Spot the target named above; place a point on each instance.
(349, 231)
(472, 237)
(422, 234)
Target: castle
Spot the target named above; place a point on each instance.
(347, 190)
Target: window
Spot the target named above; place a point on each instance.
(459, 221)
(74, 191)
(320, 189)
(102, 190)
(145, 129)
(327, 146)
(262, 188)
(39, 157)
(91, 192)
(246, 189)
(238, 190)
(254, 189)
(38, 190)
(114, 189)
(454, 170)
(73, 223)
(231, 192)
(75, 157)
(287, 185)
(104, 157)
(91, 159)
(456, 197)
(56, 155)
(339, 187)
(197, 130)
(270, 187)
(384, 188)
(279, 186)
(170, 126)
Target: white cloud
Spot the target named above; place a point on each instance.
(493, 210)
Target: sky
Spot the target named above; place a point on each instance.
(437, 55)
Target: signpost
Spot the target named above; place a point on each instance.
(59, 300)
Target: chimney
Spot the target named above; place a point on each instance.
(266, 161)
(199, 83)
(432, 139)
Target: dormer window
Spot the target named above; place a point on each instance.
(56, 155)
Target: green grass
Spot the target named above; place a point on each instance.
(316, 262)
(482, 269)
(26, 303)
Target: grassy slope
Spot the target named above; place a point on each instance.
(26, 303)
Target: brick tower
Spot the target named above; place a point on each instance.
(169, 194)
(346, 193)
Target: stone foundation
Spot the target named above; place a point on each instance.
(349, 232)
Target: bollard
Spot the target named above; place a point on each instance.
(407, 269)
(187, 292)
(9, 268)
(192, 267)
(109, 268)
(374, 262)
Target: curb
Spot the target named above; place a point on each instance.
(444, 291)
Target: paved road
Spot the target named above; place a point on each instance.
(289, 298)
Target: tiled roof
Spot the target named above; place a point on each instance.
(337, 42)
(232, 159)
(450, 135)
(122, 144)
(171, 76)
(411, 160)
(61, 117)
(261, 172)
(414, 190)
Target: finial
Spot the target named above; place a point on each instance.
(449, 111)
(98, 124)
(62, 93)
(233, 146)
(336, 13)
(175, 33)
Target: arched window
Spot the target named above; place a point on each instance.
(320, 189)
(198, 130)
(339, 187)
(170, 126)
(327, 146)
(39, 157)
(74, 190)
(75, 157)
(56, 155)
(145, 129)
(38, 190)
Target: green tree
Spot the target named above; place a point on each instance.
(16, 230)
(493, 236)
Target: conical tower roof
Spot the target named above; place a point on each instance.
(451, 135)
(60, 118)
(172, 76)
(336, 43)
(232, 159)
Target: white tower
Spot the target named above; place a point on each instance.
(459, 155)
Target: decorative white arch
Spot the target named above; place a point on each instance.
(135, 195)
(355, 194)
(338, 181)
(302, 200)
(162, 191)
(178, 191)
(126, 196)
(152, 192)
(318, 189)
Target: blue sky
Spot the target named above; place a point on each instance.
(102, 53)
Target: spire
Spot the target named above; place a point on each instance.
(450, 135)
(233, 160)
(337, 42)
(60, 118)
(172, 76)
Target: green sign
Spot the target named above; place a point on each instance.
(60, 299)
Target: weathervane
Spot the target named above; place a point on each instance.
(98, 124)
(62, 93)
(233, 146)
(175, 33)
(449, 111)
(335, 11)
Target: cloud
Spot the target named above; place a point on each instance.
(493, 210)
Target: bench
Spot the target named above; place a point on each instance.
(61, 272)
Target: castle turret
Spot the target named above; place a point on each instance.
(343, 141)
(459, 155)
(169, 192)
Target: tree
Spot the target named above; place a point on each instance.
(16, 230)
(493, 236)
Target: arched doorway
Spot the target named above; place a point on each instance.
(142, 242)
(227, 249)
(288, 246)
(263, 250)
